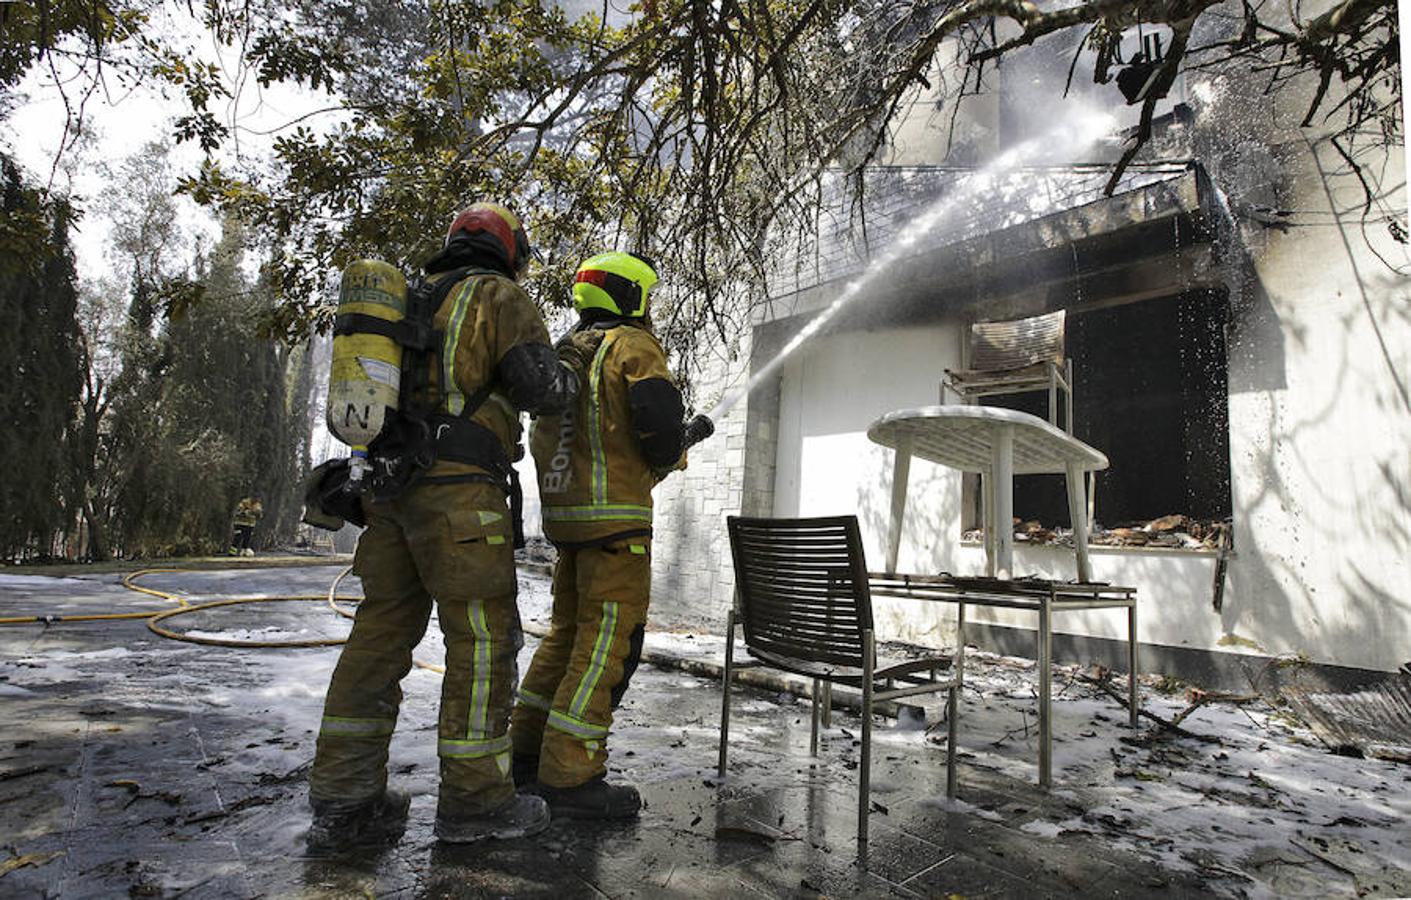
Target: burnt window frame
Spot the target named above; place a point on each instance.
(1207, 316)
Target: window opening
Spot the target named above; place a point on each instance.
(1151, 392)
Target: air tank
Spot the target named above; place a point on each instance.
(366, 373)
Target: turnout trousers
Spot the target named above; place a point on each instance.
(580, 671)
(451, 544)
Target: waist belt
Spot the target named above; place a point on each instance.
(461, 440)
(456, 439)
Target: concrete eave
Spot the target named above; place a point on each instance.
(1151, 241)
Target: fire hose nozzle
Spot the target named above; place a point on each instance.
(698, 429)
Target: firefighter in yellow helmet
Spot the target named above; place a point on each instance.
(445, 537)
(597, 464)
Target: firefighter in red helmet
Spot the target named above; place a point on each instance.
(447, 538)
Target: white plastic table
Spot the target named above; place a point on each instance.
(998, 444)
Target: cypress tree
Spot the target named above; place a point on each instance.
(43, 365)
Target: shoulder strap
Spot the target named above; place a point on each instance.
(424, 297)
(477, 399)
(431, 298)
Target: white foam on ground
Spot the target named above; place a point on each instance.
(66, 655)
(271, 633)
(1041, 828)
(41, 582)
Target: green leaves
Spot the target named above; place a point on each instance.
(702, 133)
(285, 55)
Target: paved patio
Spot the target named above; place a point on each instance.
(130, 764)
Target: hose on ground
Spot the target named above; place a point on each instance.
(152, 624)
(184, 607)
(128, 582)
(333, 594)
(331, 597)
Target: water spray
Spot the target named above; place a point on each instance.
(1077, 132)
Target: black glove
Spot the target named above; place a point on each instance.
(697, 430)
(329, 501)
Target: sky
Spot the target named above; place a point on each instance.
(121, 123)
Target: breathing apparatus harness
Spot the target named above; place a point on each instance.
(417, 435)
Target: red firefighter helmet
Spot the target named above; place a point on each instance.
(497, 222)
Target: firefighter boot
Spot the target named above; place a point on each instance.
(593, 799)
(378, 822)
(521, 816)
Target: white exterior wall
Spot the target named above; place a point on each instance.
(1173, 593)
(693, 580)
(1320, 437)
(832, 389)
(1320, 440)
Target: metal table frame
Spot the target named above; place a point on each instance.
(1042, 597)
(999, 444)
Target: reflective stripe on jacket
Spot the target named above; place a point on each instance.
(594, 480)
(482, 317)
(248, 512)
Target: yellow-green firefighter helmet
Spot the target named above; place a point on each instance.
(617, 282)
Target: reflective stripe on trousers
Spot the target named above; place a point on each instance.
(473, 749)
(348, 726)
(607, 625)
(533, 701)
(575, 726)
(478, 713)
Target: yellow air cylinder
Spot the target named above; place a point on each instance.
(366, 372)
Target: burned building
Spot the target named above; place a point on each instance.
(1240, 346)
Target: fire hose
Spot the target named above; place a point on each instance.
(127, 582)
(184, 607)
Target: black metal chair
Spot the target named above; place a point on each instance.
(802, 594)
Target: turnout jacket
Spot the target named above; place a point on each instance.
(248, 511)
(482, 319)
(598, 462)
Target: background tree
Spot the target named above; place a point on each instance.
(701, 132)
(140, 420)
(43, 365)
(100, 321)
(219, 413)
(147, 249)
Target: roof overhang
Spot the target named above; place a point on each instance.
(1151, 241)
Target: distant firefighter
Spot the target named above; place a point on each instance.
(248, 513)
